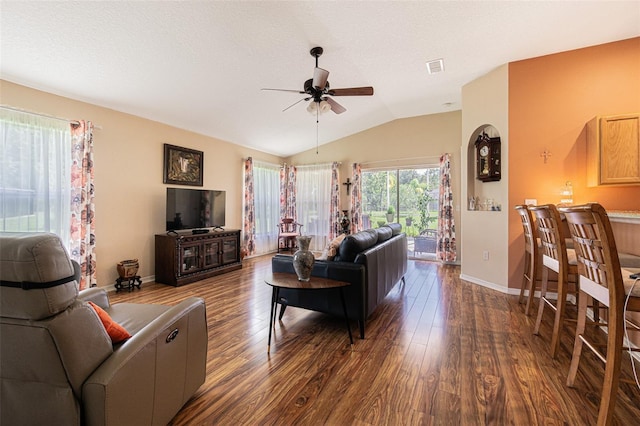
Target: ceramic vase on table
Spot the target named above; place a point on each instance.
(303, 259)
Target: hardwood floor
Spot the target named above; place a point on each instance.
(438, 350)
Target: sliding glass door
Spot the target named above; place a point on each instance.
(408, 196)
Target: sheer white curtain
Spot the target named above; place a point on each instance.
(35, 174)
(266, 182)
(313, 203)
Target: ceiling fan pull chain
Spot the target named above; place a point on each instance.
(317, 128)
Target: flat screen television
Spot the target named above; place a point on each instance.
(195, 208)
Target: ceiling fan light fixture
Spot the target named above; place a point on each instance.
(312, 107)
(319, 107)
(324, 107)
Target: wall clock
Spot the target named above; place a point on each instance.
(487, 158)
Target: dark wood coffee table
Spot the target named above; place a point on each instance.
(279, 280)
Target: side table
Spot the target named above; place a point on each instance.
(278, 280)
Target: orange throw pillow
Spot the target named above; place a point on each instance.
(114, 330)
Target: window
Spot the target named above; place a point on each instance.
(266, 181)
(313, 203)
(35, 174)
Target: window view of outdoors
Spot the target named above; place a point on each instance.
(406, 196)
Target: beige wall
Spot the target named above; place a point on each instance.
(485, 103)
(130, 195)
(404, 142)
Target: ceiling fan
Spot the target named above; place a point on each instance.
(320, 93)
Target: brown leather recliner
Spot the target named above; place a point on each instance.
(57, 362)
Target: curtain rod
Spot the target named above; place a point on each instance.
(10, 108)
(266, 163)
(418, 159)
(284, 164)
(317, 164)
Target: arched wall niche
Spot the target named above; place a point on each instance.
(481, 195)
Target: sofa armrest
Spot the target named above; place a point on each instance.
(95, 295)
(385, 265)
(150, 376)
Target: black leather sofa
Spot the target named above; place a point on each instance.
(373, 261)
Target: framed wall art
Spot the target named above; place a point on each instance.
(182, 166)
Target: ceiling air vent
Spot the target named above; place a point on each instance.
(436, 66)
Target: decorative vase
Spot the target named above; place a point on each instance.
(345, 222)
(303, 259)
(127, 268)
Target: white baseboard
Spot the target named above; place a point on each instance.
(501, 289)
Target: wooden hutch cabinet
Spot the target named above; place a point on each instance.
(185, 258)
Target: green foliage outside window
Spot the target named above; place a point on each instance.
(411, 194)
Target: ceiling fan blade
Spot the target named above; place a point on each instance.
(320, 77)
(352, 91)
(335, 107)
(296, 103)
(286, 90)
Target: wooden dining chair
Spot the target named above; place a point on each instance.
(557, 258)
(602, 279)
(532, 258)
(288, 230)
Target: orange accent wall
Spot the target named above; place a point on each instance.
(551, 98)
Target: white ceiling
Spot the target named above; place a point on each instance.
(200, 65)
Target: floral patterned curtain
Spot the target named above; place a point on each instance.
(292, 174)
(334, 206)
(446, 247)
(248, 225)
(356, 199)
(283, 191)
(288, 192)
(83, 239)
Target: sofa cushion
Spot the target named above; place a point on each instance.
(334, 245)
(116, 332)
(384, 233)
(396, 228)
(331, 250)
(356, 243)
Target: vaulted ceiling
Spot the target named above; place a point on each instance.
(201, 65)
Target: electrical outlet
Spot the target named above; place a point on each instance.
(485, 255)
